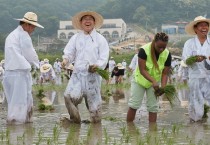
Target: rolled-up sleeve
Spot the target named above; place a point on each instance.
(28, 50)
(70, 50)
(103, 53)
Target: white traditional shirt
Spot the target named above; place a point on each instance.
(87, 50)
(124, 64)
(134, 62)
(57, 66)
(19, 51)
(193, 47)
(112, 64)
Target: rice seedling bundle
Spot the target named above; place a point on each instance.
(169, 92)
(193, 59)
(206, 110)
(103, 73)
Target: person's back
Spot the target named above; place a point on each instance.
(13, 46)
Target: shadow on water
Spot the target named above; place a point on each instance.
(51, 127)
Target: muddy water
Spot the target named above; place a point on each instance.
(51, 127)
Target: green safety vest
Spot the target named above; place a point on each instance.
(155, 73)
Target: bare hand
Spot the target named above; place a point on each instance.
(64, 62)
(200, 58)
(92, 68)
(155, 85)
(159, 92)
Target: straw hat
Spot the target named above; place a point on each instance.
(183, 64)
(111, 57)
(120, 66)
(45, 68)
(2, 61)
(30, 18)
(189, 28)
(77, 19)
(46, 60)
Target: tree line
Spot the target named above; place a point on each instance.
(149, 13)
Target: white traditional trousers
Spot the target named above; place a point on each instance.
(18, 86)
(88, 86)
(199, 93)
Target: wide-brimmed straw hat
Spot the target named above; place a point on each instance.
(77, 19)
(120, 66)
(46, 60)
(45, 68)
(2, 61)
(31, 18)
(189, 28)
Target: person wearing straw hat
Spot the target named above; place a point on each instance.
(20, 55)
(57, 66)
(134, 62)
(154, 62)
(112, 64)
(199, 80)
(89, 50)
(47, 74)
(119, 75)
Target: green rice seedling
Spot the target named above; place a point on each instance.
(111, 118)
(148, 138)
(106, 136)
(193, 59)
(89, 131)
(103, 73)
(175, 128)
(127, 138)
(49, 141)
(40, 136)
(43, 107)
(206, 110)
(140, 142)
(56, 132)
(123, 130)
(73, 138)
(40, 94)
(21, 138)
(170, 141)
(169, 92)
(157, 141)
(8, 136)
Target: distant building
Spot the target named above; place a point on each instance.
(112, 29)
(176, 28)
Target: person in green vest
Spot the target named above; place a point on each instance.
(154, 62)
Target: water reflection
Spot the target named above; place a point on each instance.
(115, 110)
(20, 134)
(118, 94)
(58, 79)
(2, 97)
(76, 136)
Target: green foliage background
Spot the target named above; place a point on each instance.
(146, 13)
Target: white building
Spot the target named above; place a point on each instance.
(112, 29)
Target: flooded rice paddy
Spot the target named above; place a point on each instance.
(51, 127)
